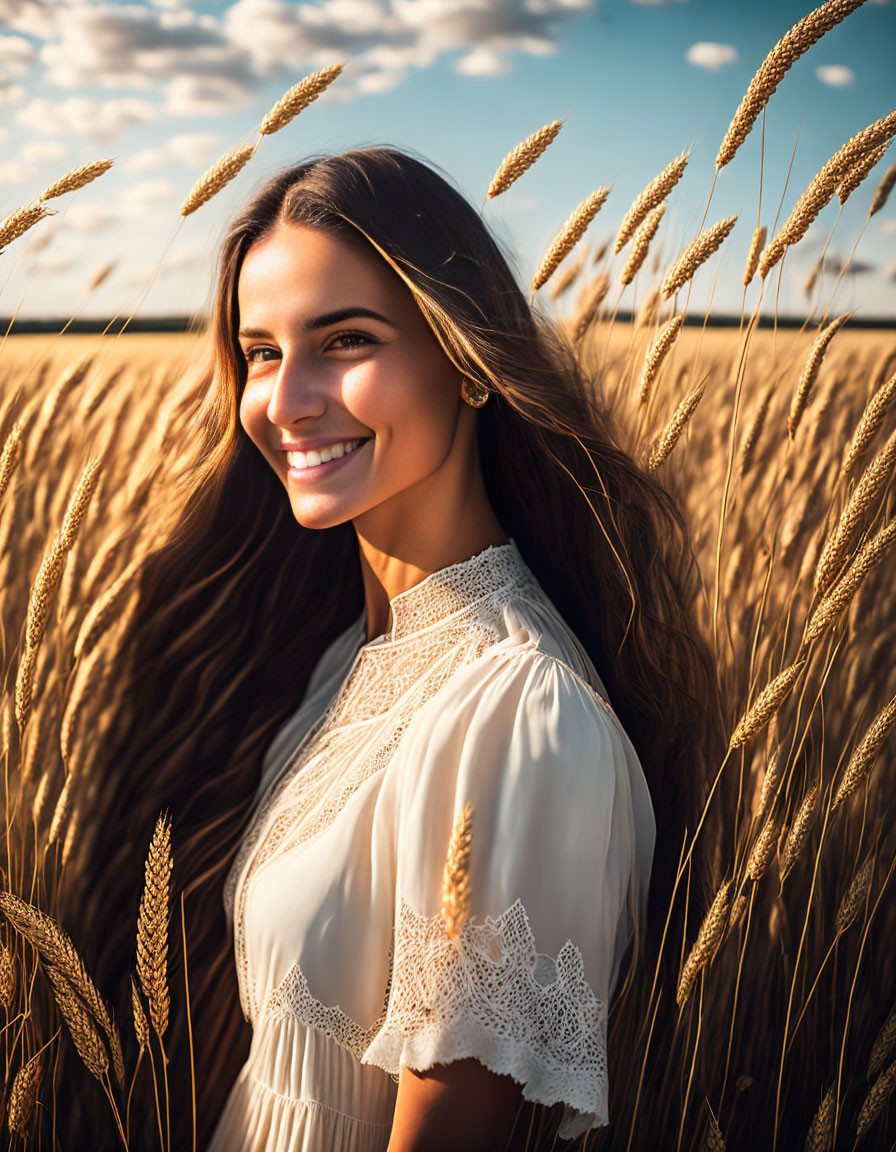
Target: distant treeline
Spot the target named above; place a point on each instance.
(198, 324)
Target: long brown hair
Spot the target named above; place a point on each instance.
(207, 679)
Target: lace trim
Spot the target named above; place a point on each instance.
(491, 996)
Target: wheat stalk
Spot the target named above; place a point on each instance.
(769, 781)
(590, 300)
(101, 275)
(822, 188)
(213, 180)
(656, 353)
(655, 192)
(568, 236)
(766, 704)
(670, 435)
(523, 156)
(23, 1096)
(752, 434)
(800, 829)
(152, 926)
(298, 97)
(854, 897)
(709, 938)
(838, 599)
(76, 179)
(696, 253)
(872, 418)
(456, 876)
(810, 371)
(756, 246)
(88, 1041)
(25, 686)
(9, 457)
(860, 170)
(883, 1044)
(777, 63)
(7, 976)
(61, 811)
(883, 190)
(141, 1024)
(821, 1132)
(763, 849)
(57, 950)
(863, 757)
(864, 495)
(638, 254)
(875, 1100)
(17, 223)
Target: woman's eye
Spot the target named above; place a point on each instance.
(352, 340)
(260, 352)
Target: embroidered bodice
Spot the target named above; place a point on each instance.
(478, 692)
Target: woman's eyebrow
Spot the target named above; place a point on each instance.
(323, 321)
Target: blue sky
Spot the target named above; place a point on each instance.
(163, 88)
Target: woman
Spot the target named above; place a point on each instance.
(427, 572)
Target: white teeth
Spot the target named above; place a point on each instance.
(313, 457)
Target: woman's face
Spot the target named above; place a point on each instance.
(339, 355)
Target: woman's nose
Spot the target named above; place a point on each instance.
(296, 393)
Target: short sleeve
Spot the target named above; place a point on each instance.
(559, 863)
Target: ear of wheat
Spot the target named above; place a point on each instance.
(76, 179)
(821, 1132)
(770, 781)
(854, 897)
(883, 1045)
(522, 157)
(800, 829)
(568, 236)
(810, 372)
(588, 306)
(875, 1100)
(756, 246)
(656, 353)
(872, 418)
(708, 941)
(766, 704)
(216, 177)
(696, 253)
(298, 98)
(23, 1096)
(655, 192)
(638, 254)
(152, 927)
(763, 849)
(17, 223)
(9, 457)
(863, 757)
(883, 190)
(839, 598)
(456, 877)
(771, 72)
(860, 170)
(670, 435)
(822, 188)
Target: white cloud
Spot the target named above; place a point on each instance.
(84, 116)
(889, 226)
(90, 216)
(204, 95)
(837, 75)
(16, 53)
(16, 172)
(11, 93)
(483, 62)
(40, 151)
(54, 264)
(148, 192)
(708, 54)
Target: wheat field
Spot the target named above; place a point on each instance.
(780, 445)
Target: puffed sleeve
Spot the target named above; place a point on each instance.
(559, 864)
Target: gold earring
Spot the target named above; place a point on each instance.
(474, 393)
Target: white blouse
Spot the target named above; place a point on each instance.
(480, 692)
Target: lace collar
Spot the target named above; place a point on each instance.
(450, 589)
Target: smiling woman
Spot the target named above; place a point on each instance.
(417, 574)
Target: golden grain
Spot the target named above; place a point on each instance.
(25, 686)
(838, 599)
(9, 457)
(882, 1047)
(638, 254)
(23, 1096)
(152, 926)
(883, 190)
(655, 192)
(752, 434)
(141, 1024)
(713, 1141)
(821, 1133)
(17, 223)
(777, 63)
(76, 179)
(770, 781)
(708, 941)
(85, 689)
(766, 704)
(872, 418)
(763, 849)
(860, 170)
(854, 897)
(456, 876)
(568, 236)
(875, 1100)
(799, 830)
(523, 156)
(810, 372)
(656, 353)
(83, 1031)
(756, 246)
(7, 976)
(588, 306)
(298, 97)
(216, 177)
(696, 253)
(863, 757)
(667, 439)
